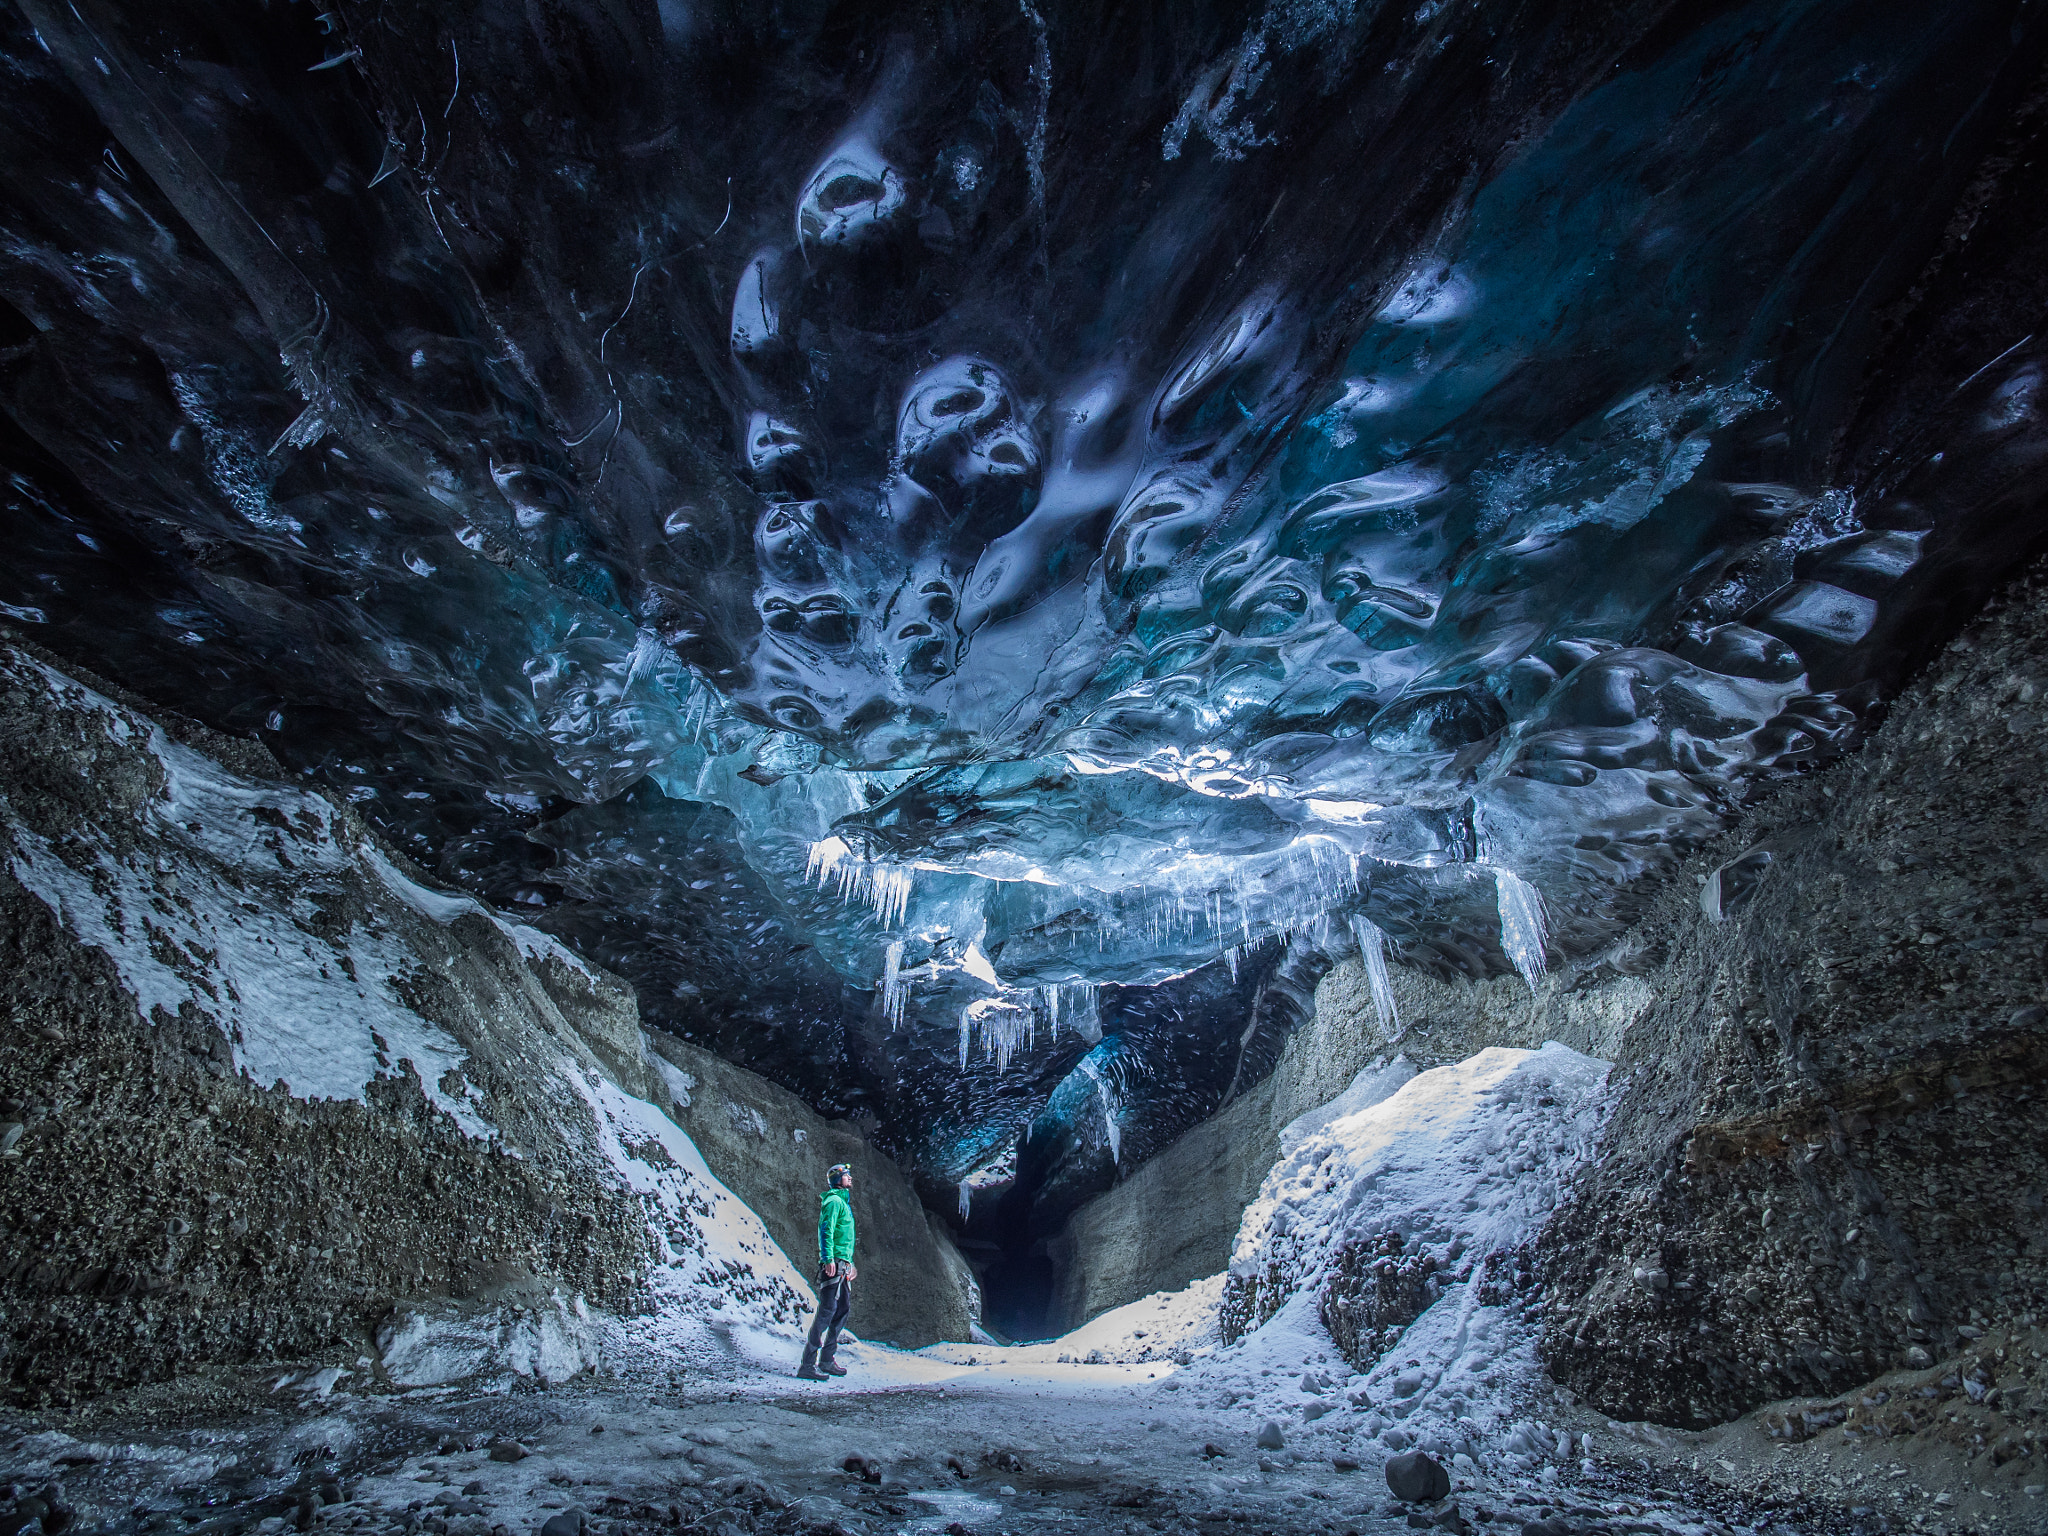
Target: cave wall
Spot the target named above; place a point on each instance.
(1829, 1155)
(772, 1149)
(264, 1097)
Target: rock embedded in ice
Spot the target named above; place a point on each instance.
(1270, 1437)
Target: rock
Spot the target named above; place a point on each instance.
(19, 1524)
(1212, 1450)
(570, 1522)
(869, 1470)
(1343, 1464)
(10, 1133)
(509, 1450)
(1394, 1438)
(1551, 1527)
(1268, 1464)
(474, 1487)
(1315, 1410)
(1407, 1384)
(1270, 1437)
(1416, 1478)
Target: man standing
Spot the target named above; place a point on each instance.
(835, 1275)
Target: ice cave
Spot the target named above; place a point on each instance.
(1328, 719)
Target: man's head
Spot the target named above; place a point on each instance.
(839, 1176)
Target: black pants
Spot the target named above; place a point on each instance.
(835, 1300)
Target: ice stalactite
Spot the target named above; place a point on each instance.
(885, 887)
(1078, 1003)
(1111, 1131)
(1522, 923)
(966, 1200)
(894, 986)
(1005, 1028)
(1372, 949)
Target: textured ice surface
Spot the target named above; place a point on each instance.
(917, 520)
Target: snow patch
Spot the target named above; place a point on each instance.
(552, 1341)
(174, 914)
(1374, 1083)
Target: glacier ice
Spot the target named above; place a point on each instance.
(933, 573)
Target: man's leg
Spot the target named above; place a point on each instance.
(828, 1299)
(827, 1356)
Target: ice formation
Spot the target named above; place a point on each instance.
(992, 541)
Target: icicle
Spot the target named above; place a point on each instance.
(1372, 949)
(1113, 1131)
(885, 887)
(1522, 923)
(966, 1201)
(894, 987)
(1005, 1028)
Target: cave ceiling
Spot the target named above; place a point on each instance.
(967, 550)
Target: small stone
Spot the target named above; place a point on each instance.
(1918, 1358)
(1343, 1464)
(10, 1133)
(509, 1450)
(1545, 1528)
(570, 1522)
(1212, 1450)
(2029, 1018)
(1268, 1464)
(1416, 1478)
(1315, 1410)
(597, 1429)
(473, 1488)
(1270, 1437)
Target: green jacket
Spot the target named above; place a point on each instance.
(835, 1227)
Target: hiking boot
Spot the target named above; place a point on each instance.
(831, 1367)
(809, 1369)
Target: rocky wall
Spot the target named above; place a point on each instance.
(1829, 1156)
(265, 1097)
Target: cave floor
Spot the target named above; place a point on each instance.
(909, 1444)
